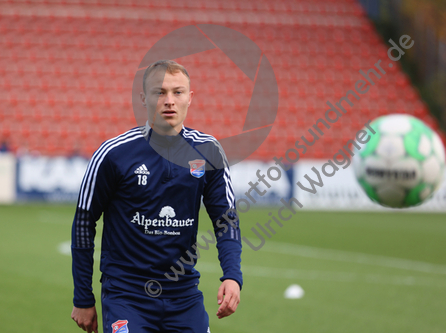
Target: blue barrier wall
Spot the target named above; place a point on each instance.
(58, 179)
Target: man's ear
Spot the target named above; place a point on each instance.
(191, 94)
(143, 99)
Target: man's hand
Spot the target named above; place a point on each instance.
(87, 319)
(228, 297)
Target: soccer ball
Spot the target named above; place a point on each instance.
(402, 164)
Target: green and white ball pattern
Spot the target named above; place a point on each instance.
(402, 164)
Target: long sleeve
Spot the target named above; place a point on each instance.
(96, 190)
(219, 199)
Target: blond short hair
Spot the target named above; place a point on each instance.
(168, 66)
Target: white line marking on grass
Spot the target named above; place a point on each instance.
(327, 276)
(283, 273)
(353, 257)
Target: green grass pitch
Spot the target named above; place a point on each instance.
(361, 272)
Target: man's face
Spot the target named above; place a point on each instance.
(166, 99)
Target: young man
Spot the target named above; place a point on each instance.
(149, 185)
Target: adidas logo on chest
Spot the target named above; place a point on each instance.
(142, 170)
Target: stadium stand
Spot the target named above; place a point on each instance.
(67, 67)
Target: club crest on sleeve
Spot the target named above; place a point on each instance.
(120, 326)
(197, 168)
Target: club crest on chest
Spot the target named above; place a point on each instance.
(197, 168)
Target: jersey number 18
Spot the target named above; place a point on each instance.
(142, 180)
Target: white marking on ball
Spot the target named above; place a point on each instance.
(438, 147)
(392, 195)
(391, 147)
(395, 124)
(424, 146)
(425, 193)
(431, 170)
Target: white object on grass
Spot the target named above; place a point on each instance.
(294, 292)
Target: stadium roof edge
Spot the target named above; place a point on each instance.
(187, 15)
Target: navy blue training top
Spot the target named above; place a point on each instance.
(149, 188)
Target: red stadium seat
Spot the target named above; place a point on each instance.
(78, 72)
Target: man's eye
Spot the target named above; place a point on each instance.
(178, 92)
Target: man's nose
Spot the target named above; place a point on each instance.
(169, 99)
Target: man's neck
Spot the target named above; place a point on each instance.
(167, 132)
